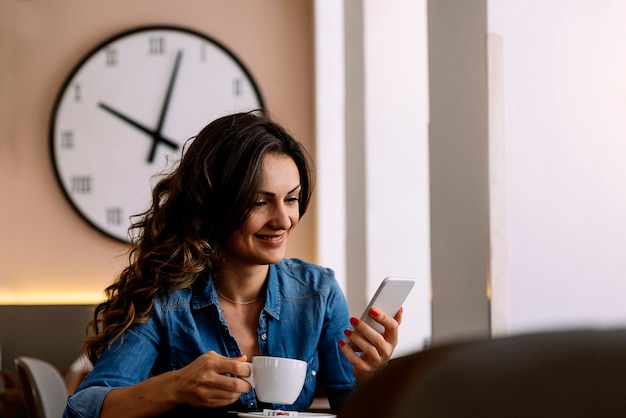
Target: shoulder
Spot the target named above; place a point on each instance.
(299, 268)
(180, 298)
(297, 274)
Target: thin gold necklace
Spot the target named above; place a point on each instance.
(239, 303)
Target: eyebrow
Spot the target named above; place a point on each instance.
(264, 193)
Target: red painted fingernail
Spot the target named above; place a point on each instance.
(374, 312)
(347, 332)
(354, 321)
(342, 343)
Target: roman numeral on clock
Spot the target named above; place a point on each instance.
(114, 216)
(80, 184)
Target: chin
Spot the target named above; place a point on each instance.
(274, 258)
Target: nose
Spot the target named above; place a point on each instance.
(280, 217)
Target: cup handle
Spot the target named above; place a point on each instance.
(249, 379)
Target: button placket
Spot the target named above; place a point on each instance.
(263, 333)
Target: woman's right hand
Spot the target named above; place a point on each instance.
(205, 383)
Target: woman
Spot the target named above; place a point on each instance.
(208, 287)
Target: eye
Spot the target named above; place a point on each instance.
(259, 204)
(292, 199)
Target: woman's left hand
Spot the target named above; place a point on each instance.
(375, 348)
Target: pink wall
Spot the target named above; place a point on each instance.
(48, 254)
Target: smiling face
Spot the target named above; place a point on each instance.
(262, 239)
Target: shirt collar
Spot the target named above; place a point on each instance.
(205, 294)
(272, 297)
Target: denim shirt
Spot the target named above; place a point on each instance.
(304, 316)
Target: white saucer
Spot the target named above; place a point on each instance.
(300, 414)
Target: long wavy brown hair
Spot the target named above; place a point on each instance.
(195, 208)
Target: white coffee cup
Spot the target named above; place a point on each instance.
(276, 380)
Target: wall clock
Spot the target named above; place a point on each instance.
(129, 106)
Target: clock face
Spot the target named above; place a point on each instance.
(126, 110)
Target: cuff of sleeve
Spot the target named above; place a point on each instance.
(86, 403)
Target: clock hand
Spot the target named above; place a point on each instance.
(139, 126)
(170, 88)
(125, 118)
(168, 95)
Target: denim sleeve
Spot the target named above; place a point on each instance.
(86, 403)
(126, 361)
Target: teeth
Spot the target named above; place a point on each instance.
(271, 238)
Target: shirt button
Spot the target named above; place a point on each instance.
(251, 405)
(264, 336)
(313, 373)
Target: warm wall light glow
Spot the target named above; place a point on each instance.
(51, 298)
(53, 290)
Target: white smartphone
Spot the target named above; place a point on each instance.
(389, 297)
